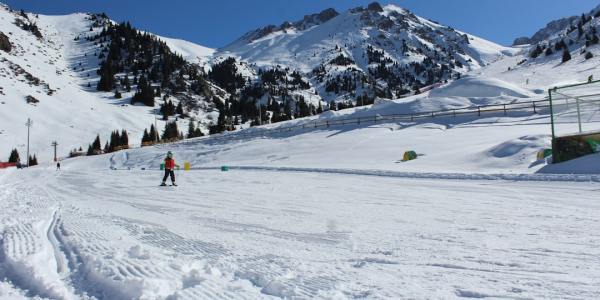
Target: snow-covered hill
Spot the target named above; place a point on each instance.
(191, 52)
(305, 44)
(54, 70)
(350, 57)
(57, 72)
(395, 50)
(314, 213)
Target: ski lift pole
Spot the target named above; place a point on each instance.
(578, 114)
(54, 144)
(28, 124)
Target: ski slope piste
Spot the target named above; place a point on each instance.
(308, 215)
(314, 213)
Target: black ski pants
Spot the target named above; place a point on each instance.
(167, 173)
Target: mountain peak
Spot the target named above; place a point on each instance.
(375, 6)
(306, 22)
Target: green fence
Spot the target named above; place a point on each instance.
(575, 120)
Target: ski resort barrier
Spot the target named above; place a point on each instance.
(532, 107)
(4, 165)
(535, 177)
(577, 104)
(419, 175)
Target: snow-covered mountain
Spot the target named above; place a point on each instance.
(333, 212)
(52, 66)
(575, 32)
(49, 67)
(550, 29)
(380, 51)
(561, 28)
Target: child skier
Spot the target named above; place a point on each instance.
(169, 167)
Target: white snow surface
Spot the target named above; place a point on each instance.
(319, 213)
(326, 213)
(191, 52)
(89, 231)
(74, 113)
(479, 87)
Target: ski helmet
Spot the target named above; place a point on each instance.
(169, 154)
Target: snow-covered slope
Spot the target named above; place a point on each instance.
(59, 69)
(191, 52)
(88, 231)
(304, 45)
(54, 69)
(314, 213)
(395, 50)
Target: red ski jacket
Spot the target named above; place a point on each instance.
(169, 164)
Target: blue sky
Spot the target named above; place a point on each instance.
(216, 23)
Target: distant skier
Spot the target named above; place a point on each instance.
(57, 166)
(170, 165)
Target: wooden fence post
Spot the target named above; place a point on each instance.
(478, 110)
(504, 109)
(534, 110)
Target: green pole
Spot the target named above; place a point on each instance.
(554, 152)
(551, 112)
(578, 114)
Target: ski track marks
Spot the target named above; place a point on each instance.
(109, 234)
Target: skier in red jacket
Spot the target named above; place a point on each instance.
(170, 165)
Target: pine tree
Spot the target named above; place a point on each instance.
(145, 93)
(124, 141)
(97, 145)
(191, 130)
(179, 109)
(107, 76)
(170, 131)
(145, 137)
(33, 160)
(536, 51)
(14, 156)
(153, 134)
(566, 55)
(333, 106)
(198, 132)
(90, 150)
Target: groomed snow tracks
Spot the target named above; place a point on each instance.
(419, 175)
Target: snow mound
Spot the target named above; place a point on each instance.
(525, 145)
(515, 152)
(479, 87)
(589, 164)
